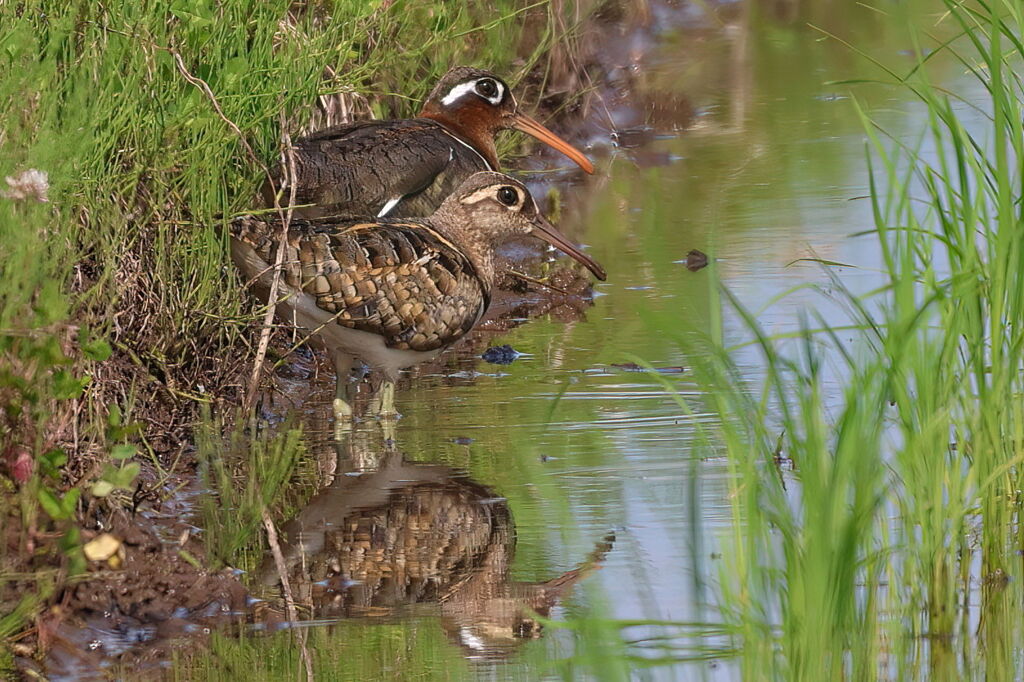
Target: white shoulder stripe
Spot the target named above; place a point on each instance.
(470, 147)
(391, 203)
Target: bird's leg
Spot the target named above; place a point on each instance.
(343, 386)
(383, 405)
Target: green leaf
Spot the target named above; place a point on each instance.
(69, 501)
(114, 415)
(101, 488)
(234, 68)
(51, 504)
(125, 476)
(123, 451)
(70, 541)
(50, 304)
(192, 12)
(51, 461)
(66, 386)
(71, 544)
(56, 457)
(48, 351)
(97, 349)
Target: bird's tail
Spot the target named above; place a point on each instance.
(257, 233)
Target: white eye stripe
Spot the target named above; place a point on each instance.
(485, 193)
(457, 92)
(461, 89)
(499, 95)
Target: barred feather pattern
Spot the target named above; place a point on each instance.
(401, 280)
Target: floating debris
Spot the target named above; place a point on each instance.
(501, 355)
(631, 138)
(633, 367)
(695, 260)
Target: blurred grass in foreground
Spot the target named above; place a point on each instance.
(882, 537)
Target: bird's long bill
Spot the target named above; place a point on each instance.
(531, 127)
(546, 231)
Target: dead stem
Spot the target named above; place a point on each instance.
(205, 88)
(286, 217)
(289, 599)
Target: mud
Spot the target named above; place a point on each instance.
(131, 612)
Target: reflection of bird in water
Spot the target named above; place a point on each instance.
(410, 533)
(490, 617)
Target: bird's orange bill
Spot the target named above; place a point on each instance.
(546, 231)
(531, 127)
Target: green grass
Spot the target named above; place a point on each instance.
(151, 121)
(242, 478)
(896, 506)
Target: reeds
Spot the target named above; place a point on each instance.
(877, 532)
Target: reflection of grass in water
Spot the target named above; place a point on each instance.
(410, 650)
(901, 507)
(242, 478)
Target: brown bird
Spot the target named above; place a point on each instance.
(405, 168)
(394, 293)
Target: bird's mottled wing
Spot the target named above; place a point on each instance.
(400, 280)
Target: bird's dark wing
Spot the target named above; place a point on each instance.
(369, 168)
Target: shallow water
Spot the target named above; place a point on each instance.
(564, 448)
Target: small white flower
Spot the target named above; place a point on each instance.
(30, 184)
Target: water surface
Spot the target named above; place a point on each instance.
(758, 162)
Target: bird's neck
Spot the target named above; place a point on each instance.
(478, 137)
(468, 240)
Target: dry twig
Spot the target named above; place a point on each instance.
(289, 599)
(285, 214)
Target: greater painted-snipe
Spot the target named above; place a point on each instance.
(407, 167)
(394, 293)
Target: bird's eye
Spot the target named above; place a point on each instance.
(487, 87)
(508, 196)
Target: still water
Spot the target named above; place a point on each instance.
(567, 481)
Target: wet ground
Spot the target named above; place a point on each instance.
(557, 482)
